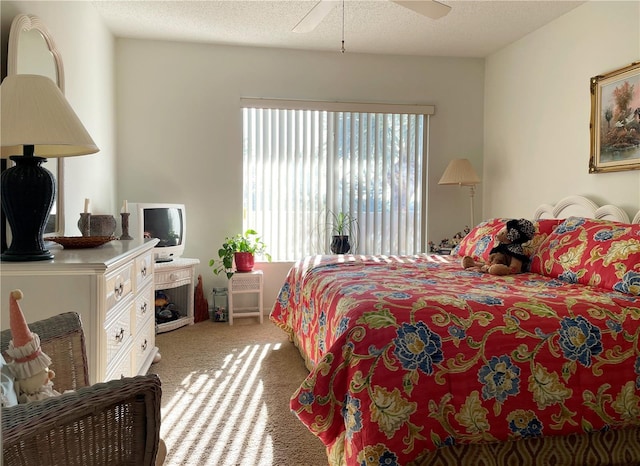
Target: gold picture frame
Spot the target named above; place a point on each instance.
(615, 120)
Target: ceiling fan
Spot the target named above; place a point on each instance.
(429, 8)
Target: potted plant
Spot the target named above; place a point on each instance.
(343, 225)
(240, 249)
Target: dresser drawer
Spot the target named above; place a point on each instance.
(144, 344)
(145, 307)
(118, 333)
(118, 286)
(172, 278)
(143, 270)
(121, 368)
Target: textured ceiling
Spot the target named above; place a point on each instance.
(472, 28)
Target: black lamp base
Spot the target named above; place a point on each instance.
(19, 256)
(27, 191)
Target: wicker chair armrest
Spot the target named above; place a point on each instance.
(116, 422)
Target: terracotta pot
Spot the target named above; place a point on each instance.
(244, 261)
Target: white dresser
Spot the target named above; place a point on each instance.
(111, 287)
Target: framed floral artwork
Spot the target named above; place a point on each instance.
(615, 120)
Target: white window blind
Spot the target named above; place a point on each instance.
(302, 163)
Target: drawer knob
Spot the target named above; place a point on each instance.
(144, 345)
(143, 272)
(143, 308)
(118, 290)
(120, 335)
(173, 277)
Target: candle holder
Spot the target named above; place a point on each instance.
(85, 224)
(125, 226)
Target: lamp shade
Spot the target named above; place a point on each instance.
(35, 112)
(460, 172)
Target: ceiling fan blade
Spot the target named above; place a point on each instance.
(429, 8)
(315, 16)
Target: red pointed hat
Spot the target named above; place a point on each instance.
(20, 332)
(27, 358)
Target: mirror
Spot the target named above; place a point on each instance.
(32, 51)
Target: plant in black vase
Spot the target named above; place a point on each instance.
(241, 250)
(343, 226)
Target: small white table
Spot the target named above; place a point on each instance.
(179, 276)
(242, 284)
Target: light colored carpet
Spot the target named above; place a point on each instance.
(225, 396)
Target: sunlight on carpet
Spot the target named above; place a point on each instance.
(189, 419)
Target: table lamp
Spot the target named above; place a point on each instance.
(461, 172)
(37, 122)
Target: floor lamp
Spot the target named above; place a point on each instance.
(36, 123)
(461, 172)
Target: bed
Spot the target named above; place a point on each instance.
(416, 361)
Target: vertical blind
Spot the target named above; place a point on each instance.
(301, 165)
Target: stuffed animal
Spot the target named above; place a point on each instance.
(508, 256)
(494, 258)
(36, 387)
(28, 364)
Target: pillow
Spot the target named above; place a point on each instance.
(544, 227)
(8, 395)
(592, 252)
(479, 241)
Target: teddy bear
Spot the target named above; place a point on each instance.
(494, 258)
(508, 256)
(27, 362)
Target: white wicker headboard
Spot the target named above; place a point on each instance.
(579, 206)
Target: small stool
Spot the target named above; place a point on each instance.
(245, 283)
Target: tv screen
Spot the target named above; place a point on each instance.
(164, 223)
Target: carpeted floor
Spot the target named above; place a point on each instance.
(225, 396)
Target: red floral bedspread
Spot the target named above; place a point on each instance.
(408, 354)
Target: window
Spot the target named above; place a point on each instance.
(304, 160)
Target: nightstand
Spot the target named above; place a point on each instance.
(245, 283)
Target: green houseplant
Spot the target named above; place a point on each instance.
(240, 248)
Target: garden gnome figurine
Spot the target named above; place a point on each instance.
(29, 365)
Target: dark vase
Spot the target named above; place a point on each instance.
(340, 244)
(244, 261)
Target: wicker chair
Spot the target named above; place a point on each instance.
(114, 423)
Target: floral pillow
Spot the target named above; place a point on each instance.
(544, 227)
(479, 241)
(593, 252)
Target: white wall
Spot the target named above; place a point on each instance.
(180, 125)
(86, 47)
(537, 111)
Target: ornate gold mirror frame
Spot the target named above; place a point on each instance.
(31, 50)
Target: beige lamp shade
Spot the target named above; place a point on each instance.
(460, 172)
(35, 112)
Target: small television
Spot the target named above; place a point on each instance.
(167, 222)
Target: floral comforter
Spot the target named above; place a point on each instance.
(409, 354)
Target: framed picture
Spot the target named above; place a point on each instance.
(615, 120)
